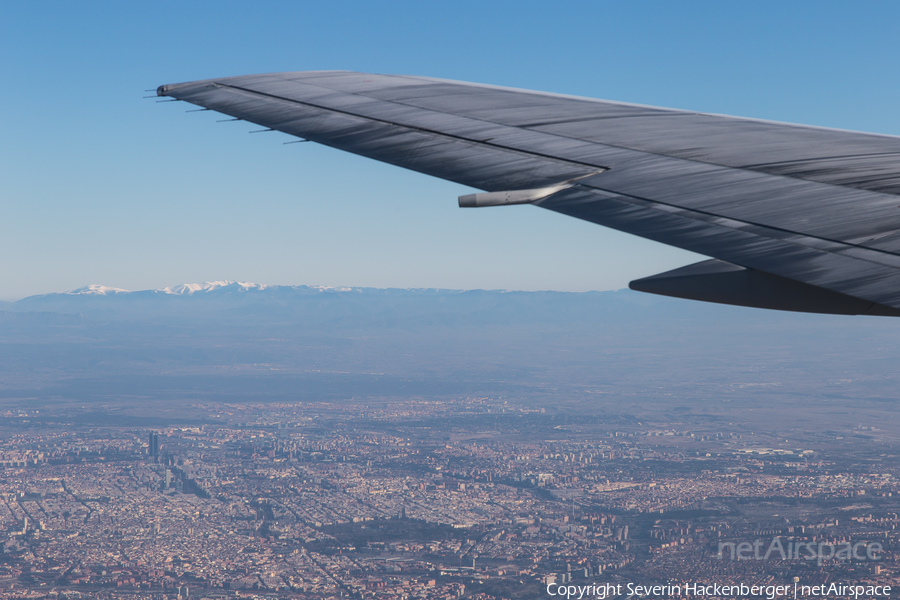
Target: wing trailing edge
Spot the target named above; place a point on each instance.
(725, 283)
(811, 215)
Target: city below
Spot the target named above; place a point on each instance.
(444, 498)
(233, 440)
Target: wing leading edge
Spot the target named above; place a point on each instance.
(796, 218)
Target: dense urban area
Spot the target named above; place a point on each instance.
(234, 440)
(440, 498)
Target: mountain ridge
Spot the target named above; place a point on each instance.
(247, 303)
(231, 285)
(235, 342)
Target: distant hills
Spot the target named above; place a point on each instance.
(242, 302)
(228, 341)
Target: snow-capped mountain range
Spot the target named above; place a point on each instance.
(96, 290)
(193, 288)
(243, 303)
(190, 289)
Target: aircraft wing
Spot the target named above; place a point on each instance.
(794, 217)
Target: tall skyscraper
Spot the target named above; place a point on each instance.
(154, 446)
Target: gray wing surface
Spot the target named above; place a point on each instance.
(794, 217)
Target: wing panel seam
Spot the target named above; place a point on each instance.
(421, 129)
(793, 237)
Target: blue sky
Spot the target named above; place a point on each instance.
(100, 185)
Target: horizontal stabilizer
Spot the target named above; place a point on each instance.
(726, 283)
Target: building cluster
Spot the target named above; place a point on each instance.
(420, 500)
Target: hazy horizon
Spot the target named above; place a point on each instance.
(413, 400)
